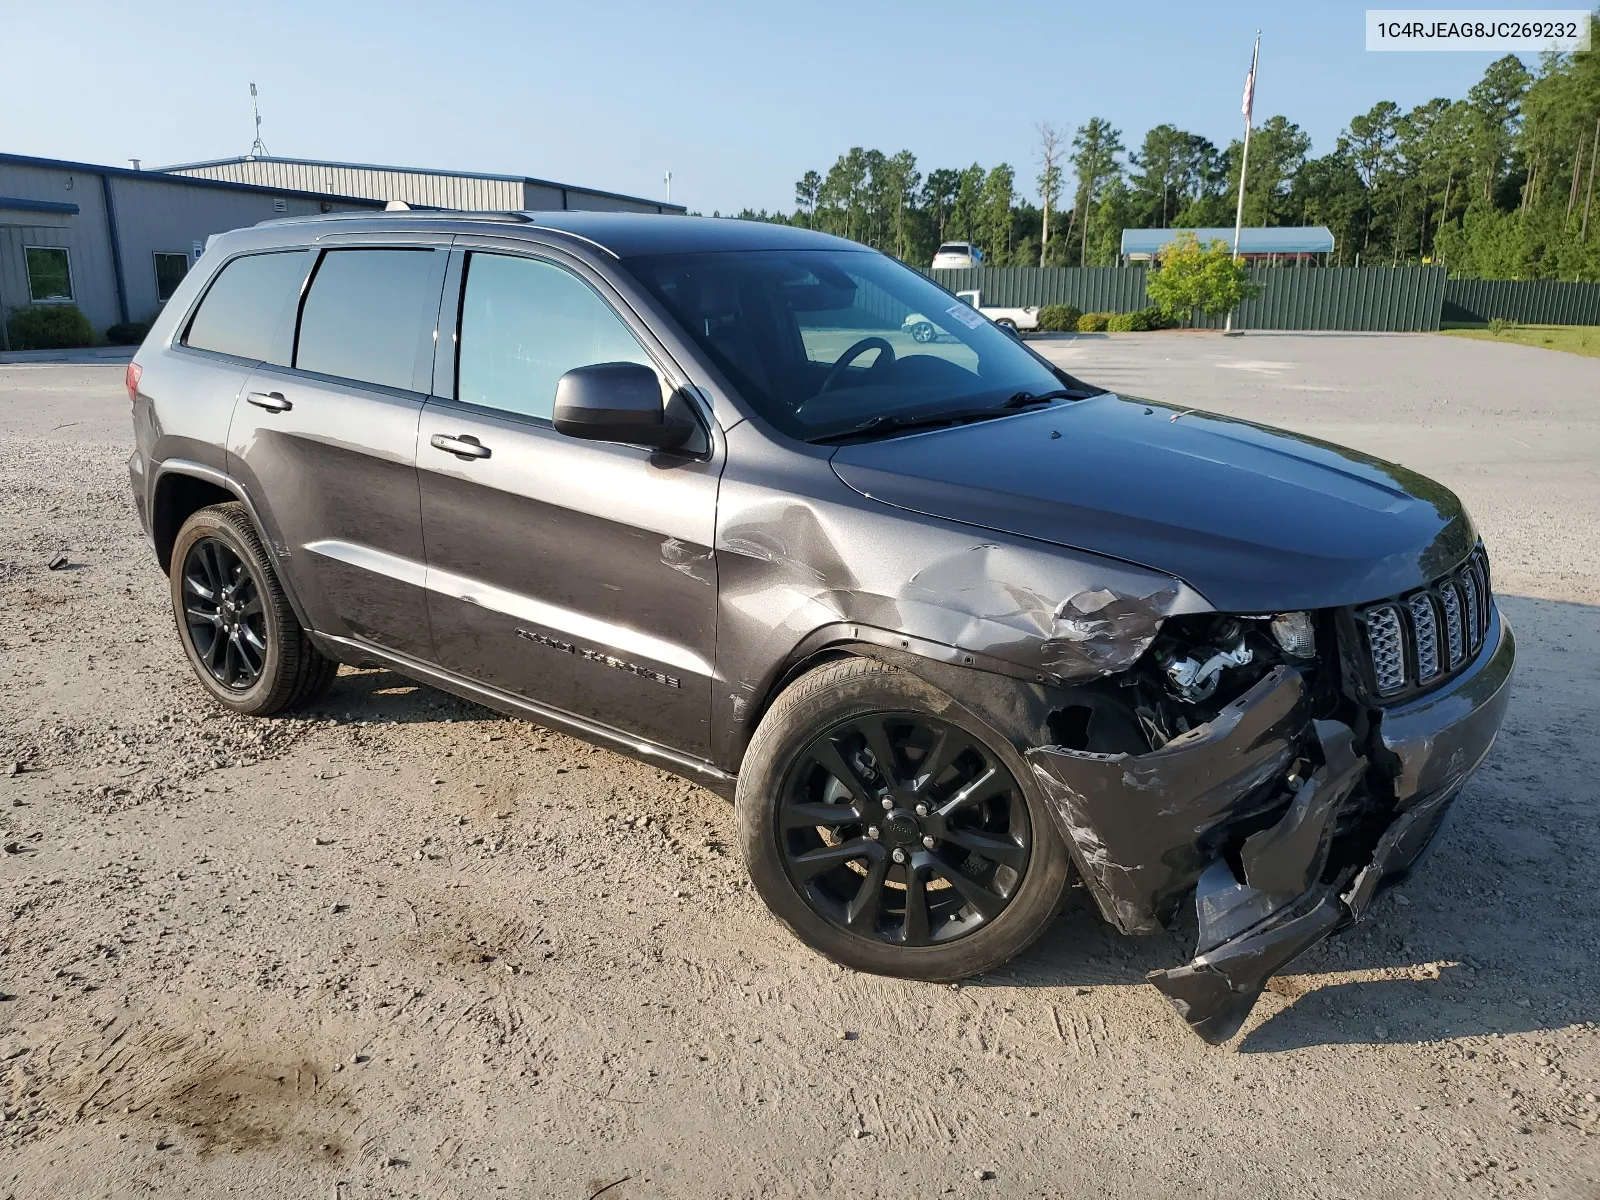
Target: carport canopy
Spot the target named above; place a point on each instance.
(1288, 239)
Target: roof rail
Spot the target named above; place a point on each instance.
(452, 214)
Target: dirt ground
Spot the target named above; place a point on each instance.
(399, 946)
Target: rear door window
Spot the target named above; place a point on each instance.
(244, 306)
(524, 324)
(367, 314)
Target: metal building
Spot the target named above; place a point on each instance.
(419, 187)
(116, 242)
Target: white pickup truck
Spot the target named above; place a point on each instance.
(1018, 319)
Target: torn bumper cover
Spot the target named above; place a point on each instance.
(1216, 810)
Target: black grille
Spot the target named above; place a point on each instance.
(1418, 640)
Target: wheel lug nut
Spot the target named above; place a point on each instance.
(899, 855)
(922, 810)
(928, 842)
(872, 832)
(888, 803)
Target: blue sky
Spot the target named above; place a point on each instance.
(737, 100)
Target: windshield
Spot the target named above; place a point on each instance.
(823, 341)
(955, 248)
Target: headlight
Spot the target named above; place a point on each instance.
(1295, 634)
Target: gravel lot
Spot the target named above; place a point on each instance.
(399, 946)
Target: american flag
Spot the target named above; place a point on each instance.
(1250, 83)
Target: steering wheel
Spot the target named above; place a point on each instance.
(885, 359)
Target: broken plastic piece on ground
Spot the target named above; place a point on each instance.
(58, 562)
(1216, 991)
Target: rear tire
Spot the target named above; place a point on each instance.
(955, 874)
(246, 646)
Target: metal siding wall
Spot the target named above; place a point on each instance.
(156, 213)
(1533, 301)
(84, 236)
(536, 197)
(472, 193)
(1357, 298)
(579, 199)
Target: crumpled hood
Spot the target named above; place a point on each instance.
(1256, 519)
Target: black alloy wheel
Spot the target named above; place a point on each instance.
(224, 614)
(903, 828)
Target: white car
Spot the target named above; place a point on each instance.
(954, 255)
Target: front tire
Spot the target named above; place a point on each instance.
(241, 636)
(892, 831)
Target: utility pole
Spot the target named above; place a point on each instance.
(1244, 159)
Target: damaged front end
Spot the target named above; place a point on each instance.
(1241, 762)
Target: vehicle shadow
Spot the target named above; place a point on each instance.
(380, 696)
(1499, 929)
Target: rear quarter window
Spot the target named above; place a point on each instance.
(246, 304)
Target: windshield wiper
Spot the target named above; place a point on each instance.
(1023, 399)
(898, 423)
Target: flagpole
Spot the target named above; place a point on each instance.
(1244, 159)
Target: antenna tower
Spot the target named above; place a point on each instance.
(258, 148)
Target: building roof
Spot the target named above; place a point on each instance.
(154, 176)
(1299, 239)
(356, 166)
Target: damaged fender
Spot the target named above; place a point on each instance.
(797, 572)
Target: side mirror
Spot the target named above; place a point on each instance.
(616, 402)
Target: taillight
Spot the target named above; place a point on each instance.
(131, 379)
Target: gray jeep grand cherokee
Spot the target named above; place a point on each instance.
(949, 625)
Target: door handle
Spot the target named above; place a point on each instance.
(271, 401)
(465, 447)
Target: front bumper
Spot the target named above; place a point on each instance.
(1203, 810)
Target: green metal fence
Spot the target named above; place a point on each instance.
(1364, 298)
(1533, 301)
(1368, 298)
(1092, 289)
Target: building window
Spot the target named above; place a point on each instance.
(170, 270)
(49, 274)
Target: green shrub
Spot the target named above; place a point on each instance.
(1147, 319)
(1501, 324)
(49, 327)
(127, 333)
(1093, 322)
(1059, 318)
(1120, 323)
